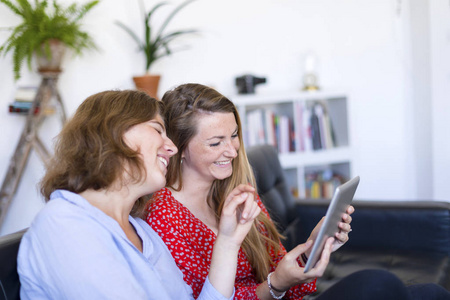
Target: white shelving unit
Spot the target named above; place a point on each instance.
(300, 162)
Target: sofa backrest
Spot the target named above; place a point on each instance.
(422, 226)
(9, 279)
(271, 182)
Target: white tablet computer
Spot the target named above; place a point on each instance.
(341, 200)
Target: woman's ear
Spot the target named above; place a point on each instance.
(183, 155)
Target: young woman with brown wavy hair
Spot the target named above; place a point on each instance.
(88, 242)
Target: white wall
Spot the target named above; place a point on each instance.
(365, 47)
(440, 73)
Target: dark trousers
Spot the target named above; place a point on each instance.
(380, 284)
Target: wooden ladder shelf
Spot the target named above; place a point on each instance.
(29, 138)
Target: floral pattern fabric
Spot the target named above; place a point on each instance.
(191, 243)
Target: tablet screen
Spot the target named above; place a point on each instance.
(341, 200)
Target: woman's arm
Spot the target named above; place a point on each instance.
(288, 272)
(238, 214)
(192, 244)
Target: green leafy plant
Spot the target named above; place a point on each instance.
(42, 23)
(155, 44)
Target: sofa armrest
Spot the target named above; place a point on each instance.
(9, 279)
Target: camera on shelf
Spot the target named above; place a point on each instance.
(246, 83)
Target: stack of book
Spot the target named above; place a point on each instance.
(264, 126)
(314, 130)
(308, 128)
(322, 184)
(23, 100)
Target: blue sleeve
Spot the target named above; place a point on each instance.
(72, 258)
(210, 293)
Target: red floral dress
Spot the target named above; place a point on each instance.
(191, 243)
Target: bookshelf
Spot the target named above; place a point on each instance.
(310, 131)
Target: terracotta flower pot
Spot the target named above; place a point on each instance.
(148, 84)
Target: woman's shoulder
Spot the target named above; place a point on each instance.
(58, 211)
(164, 208)
(162, 200)
(161, 195)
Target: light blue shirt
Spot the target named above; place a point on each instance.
(73, 250)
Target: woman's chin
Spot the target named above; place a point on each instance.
(156, 184)
(223, 176)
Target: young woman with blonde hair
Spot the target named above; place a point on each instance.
(211, 161)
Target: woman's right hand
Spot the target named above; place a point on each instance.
(289, 273)
(238, 213)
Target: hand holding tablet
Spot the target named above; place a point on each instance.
(341, 200)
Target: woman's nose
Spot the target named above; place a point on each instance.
(170, 147)
(231, 149)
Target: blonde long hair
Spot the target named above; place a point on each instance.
(182, 106)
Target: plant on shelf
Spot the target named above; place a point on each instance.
(154, 44)
(45, 32)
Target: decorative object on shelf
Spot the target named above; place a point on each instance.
(154, 45)
(310, 77)
(45, 32)
(246, 83)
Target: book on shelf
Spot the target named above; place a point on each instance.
(283, 135)
(315, 130)
(25, 93)
(322, 184)
(255, 130)
(22, 107)
(269, 123)
(306, 128)
(267, 127)
(311, 131)
(325, 128)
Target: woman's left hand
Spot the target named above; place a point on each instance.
(341, 236)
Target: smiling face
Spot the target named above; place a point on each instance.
(210, 152)
(150, 140)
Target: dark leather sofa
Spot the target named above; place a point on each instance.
(9, 279)
(409, 238)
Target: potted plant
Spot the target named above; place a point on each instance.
(154, 44)
(45, 32)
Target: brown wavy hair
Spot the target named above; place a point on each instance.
(182, 107)
(90, 152)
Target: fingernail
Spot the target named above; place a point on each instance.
(244, 195)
